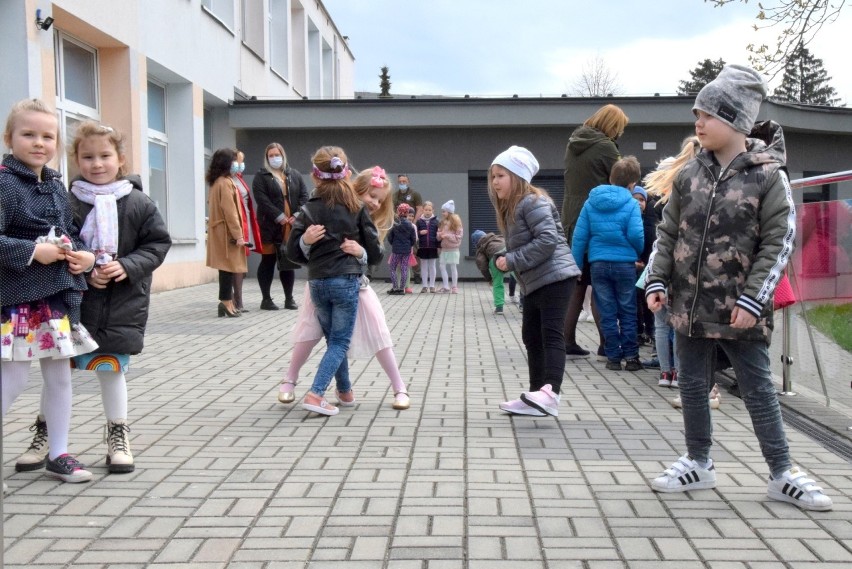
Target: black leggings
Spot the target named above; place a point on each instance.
(226, 285)
(266, 270)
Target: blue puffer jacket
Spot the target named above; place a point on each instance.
(402, 237)
(609, 228)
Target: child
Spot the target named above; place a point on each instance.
(726, 236)
(450, 234)
(489, 247)
(327, 230)
(412, 259)
(644, 317)
(371, 335)
(610, 231)
(538, 254)
(427, 247)
(401, 237)
(123, 227)
(42, 262)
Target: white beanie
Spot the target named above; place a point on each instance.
(450, 206)
(733, 97)
(519, 161)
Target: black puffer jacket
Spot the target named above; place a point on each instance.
(326, 257)
(116, 315)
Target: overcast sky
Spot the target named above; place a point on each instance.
(539, 47)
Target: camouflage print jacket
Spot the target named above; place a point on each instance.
(725, 239)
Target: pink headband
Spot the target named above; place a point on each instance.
(379, 177)
(335, 163)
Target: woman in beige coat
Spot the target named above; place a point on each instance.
(225, 242)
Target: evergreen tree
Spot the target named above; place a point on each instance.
(705, 72)
(385, 85)
(805, 80)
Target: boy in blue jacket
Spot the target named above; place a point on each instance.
(609, 230)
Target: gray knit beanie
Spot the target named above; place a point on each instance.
(733, 97)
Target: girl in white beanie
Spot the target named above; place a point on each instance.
(450, 232)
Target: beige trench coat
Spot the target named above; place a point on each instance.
(224, 227)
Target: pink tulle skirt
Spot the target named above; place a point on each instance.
(371, 332)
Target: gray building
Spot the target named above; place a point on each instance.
(445, 145)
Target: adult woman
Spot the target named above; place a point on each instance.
(589, 157)
(225, 241)
(279, 192)
(251, 231)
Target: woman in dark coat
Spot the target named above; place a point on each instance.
(279, 193)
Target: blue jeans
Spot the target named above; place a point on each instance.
(614, 287)
(750, 361)
(336, 303)
(664, 341)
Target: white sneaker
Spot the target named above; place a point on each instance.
(715, 399)
(518, 407)
(684, 475)
(796, 488)
(545, 400)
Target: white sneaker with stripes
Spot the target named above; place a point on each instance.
(795, 487)
(684, 475)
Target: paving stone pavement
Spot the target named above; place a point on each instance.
(228, 477)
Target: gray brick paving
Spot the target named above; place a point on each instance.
(228, 477)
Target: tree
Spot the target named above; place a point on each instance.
(705, 72)
(385, 85)
(798, 22)
(805, 80)
(596, 80)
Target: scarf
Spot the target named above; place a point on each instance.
(100, 230)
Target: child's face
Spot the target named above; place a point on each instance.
(98, 160)
(445, 214)
(33, 139)
(411, 215)
(641, 200)
(427, 210)
(712, 133)
(501, 181)
(374, 198)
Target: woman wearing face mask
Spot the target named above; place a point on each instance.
(251, 231)
(279, 192)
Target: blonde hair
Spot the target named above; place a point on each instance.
(88, 129)
(266, 165)
(625, 171)
(453, 222)
(29, 106)
(519, 189)
(333, 192)
(610, 120)
(659, 182)
(382, 217)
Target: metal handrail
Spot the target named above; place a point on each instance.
(821, 179)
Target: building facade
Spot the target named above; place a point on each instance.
(164, 72)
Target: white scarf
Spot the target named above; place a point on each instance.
(100, 230)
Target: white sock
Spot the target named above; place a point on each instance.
(57, 403)
(113, 394)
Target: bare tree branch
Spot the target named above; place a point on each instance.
(596, 80)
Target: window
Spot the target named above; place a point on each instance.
(222, 10)
(253, 23)
(158, 143)
(77, 92)
(279, 37)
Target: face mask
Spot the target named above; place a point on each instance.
(235, 167)
(403, 187)
(276, 162)
(242, 167)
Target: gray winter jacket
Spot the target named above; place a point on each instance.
(536, 249)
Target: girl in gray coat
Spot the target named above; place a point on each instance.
(538, 253)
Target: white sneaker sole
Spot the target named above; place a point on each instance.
(327, 411)
(528, 412)
(553, 412)
(701, 485)
(75, 478)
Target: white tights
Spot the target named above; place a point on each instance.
(56, 397)
(454, 270)
(429, 272)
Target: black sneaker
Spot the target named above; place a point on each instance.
(66, 468)
(290, 304)
(267, 304)
(614, 366)
(633, 364)
(575, 351)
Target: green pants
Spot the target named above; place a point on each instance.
(496, 283)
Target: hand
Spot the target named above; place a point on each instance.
(742, 318)
(288, 220)
(656, 301)
(501, 264)
(96, 279)
(240, 242)
(47, 253)
(352, 247)
(79, 261)
(422, 232)
(640, 265)
(113, 270)
(313, 234)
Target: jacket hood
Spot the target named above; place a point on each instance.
(585, 137)
(609, 198)
(765, 145)
(135, 180)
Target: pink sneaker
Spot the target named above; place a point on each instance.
(518, 407)
(545, 400)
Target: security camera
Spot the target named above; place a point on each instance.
(43, 24)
